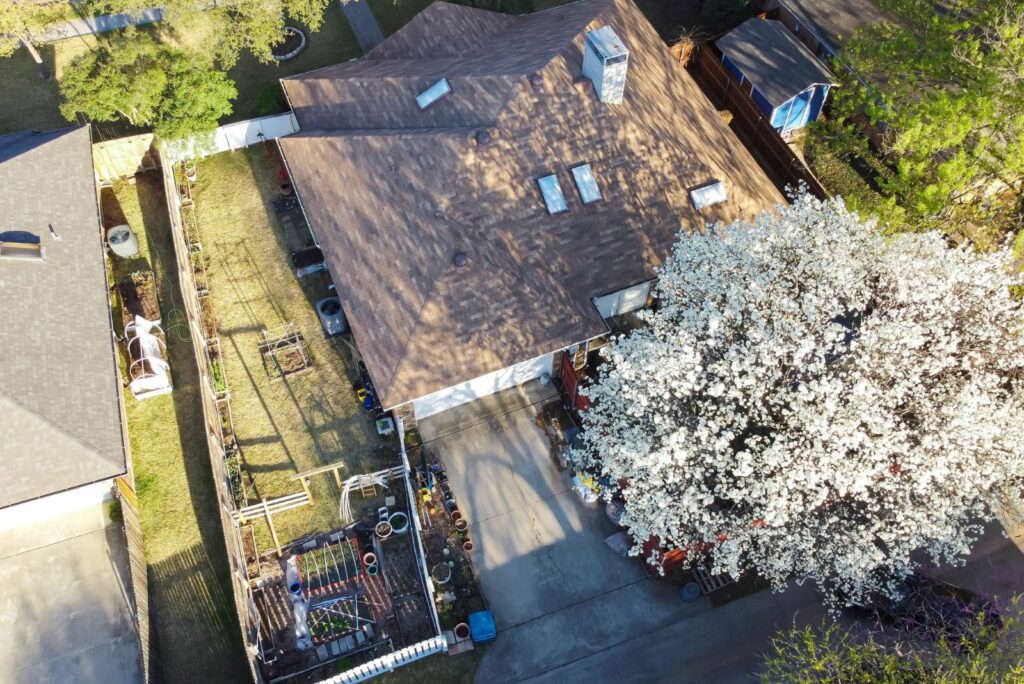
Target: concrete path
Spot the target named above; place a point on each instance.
(65, 607)
(364, 24)
(557, 591)
(99, 24)
(721, 645)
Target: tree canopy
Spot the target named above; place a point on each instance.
(947, 89)
(176, 92)
(830, 654)
(228, 27)
(20, 20)
(811, 401)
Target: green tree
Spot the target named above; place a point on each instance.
(721, 15)
(133, 76)
(21, 21)
(946, 89)
(223, 29)
(830, 654)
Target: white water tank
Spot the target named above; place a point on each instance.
(605, 60)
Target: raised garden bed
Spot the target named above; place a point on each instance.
(294, 42)
(458, 590)
(285, 354)
(138, 297)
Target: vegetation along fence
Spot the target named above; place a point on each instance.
(234, 136)
(750, 123)
(224, 451)
(213, 392)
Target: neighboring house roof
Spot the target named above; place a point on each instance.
(393, 193)
(835, 20)
(60, 416)
(773, 59)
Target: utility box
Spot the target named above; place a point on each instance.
(605, 60)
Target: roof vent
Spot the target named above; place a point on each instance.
(483, 137)
(605, 60)
(537, 81)
(434, 93)
(460, 260)
(708, 194)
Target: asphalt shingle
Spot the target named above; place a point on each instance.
(60, 417)
(394, 193)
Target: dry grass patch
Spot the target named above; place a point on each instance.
(190, 602)
(299, 422)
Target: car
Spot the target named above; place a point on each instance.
(122, 241)
(930, 608)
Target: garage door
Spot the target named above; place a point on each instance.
(482, 386)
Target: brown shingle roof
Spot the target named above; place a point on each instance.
(60, 420)
(394, 193)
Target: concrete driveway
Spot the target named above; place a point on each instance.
(65, 607)
(557, 591)
(569, 610)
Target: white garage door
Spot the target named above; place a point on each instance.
(482, 386)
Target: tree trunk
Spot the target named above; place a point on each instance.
(26, 40)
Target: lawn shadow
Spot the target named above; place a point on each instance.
(194, 580)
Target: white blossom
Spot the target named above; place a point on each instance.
(811, 401)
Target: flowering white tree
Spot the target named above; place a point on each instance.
(811, 401)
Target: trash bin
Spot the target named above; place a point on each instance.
(481, 626)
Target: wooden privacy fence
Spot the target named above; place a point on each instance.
(245, 605)
(750, 123)
(123, 157)
(139, 576)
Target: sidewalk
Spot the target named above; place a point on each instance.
(364, 24)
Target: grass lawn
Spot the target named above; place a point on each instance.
(259, 92)
(30, 102)
(302, 421)
(191, 607)
(457, 669)
(394, 14)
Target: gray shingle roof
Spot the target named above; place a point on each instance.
(773, 59)
(394, 193)
(60, 418)
(836, 20)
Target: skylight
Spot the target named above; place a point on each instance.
(709, 194)
(552, 191)
(20, 244)
(585, 183)
(22, 250)
(433, 93)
